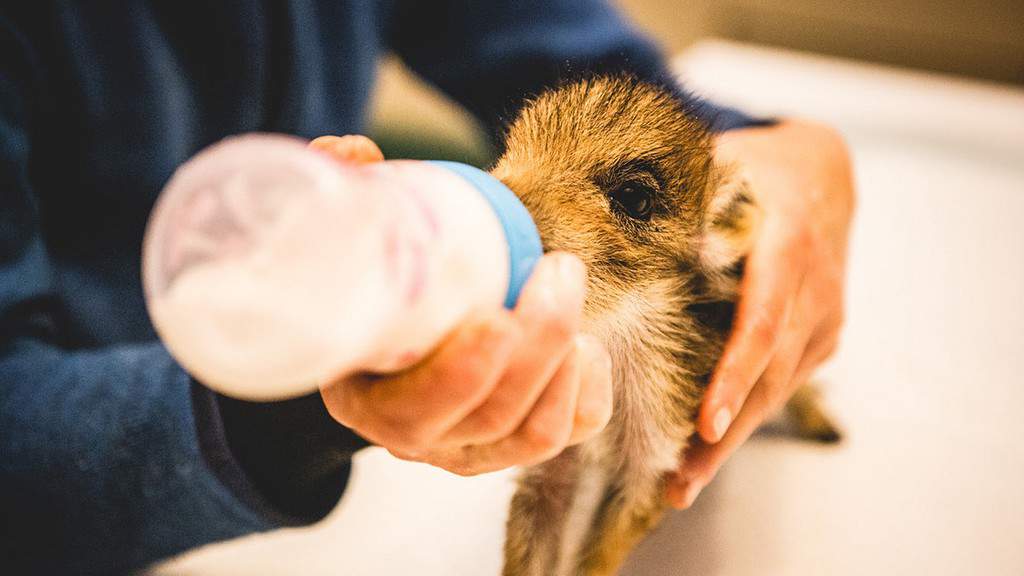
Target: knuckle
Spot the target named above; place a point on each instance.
(803, 240)
(593, 354)
(406, 438)
(558, 325)
(540, 438)
(470, 470)
(827, 290)
(473, 370)
(495, 422)
(466, 462)
(777, 390)
(765, 328)
(829, 347)
(469, 373)
(345, 405)
(705, 475)
(460, 467)
(838, 321)
(464, 471)
(796, 242)
(604, 361)
(551, 316)
(593, 416)
(701, 469)
(500, 326)
(544, 442)
(589, 420)
(337, 409)
(774, 396)
(407, 456)
(485, 340)
(540, 457)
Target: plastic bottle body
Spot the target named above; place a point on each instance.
(271, 269)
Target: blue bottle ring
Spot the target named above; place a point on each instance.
(524, 247)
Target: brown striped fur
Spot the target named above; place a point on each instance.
(660, 294)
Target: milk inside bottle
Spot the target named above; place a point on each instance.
(271, 269)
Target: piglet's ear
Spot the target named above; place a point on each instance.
(730, 224)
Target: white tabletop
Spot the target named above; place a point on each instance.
(928, 381)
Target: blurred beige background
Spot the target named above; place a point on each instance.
(975, 38)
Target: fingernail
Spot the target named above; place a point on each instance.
(691, 493)
(571, 268)
(572, 276)
(721, 423)
(592, 349)
(547, 280)
(560, 283)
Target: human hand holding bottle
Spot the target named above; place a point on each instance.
(505, 388)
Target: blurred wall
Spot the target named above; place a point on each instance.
(967, 37)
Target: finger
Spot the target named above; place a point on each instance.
(802, 347)
(684, 487)
(594, 403)
(819, 349)
(771, 282)
(793, 348)
(815, 349)
(352, 148)
(543, 435)
(408, 411)
(549, 313)
(702, 459)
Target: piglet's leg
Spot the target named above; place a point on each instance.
(810, 419)
(538, 514)
(625, 517)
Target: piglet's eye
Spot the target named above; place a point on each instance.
(633, 199)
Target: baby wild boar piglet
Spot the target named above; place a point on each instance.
(617, 172)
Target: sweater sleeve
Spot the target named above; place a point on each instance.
(491, 56)
(111, 456)
(100, 465)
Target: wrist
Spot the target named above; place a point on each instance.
(291, 453)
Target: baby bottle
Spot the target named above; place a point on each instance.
(270, 269)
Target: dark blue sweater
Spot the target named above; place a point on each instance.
(111, 457)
